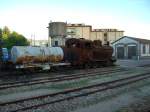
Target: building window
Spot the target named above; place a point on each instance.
(71, 31)
(149, 48)
(56, 43)
(105, 37)
(144, 49)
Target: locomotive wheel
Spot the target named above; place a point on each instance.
(91, 64)
(81, 66)
(95, 65)
(88, 65)
(107, 63)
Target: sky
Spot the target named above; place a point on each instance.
(31, 17)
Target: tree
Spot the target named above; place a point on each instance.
(5, 32)
(0, 45)
(13, 38)
(1, 34)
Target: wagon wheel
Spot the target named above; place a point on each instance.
(107, 63)
(88, 65)
(95, 65)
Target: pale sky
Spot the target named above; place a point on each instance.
(31, 17)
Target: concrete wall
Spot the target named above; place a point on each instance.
(83, 31)
(125, 42)
(147, 49)
(78, 32)
(61, 41)
(96, 36)
(113, 36)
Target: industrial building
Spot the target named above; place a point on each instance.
(60, 31)
(57, 33)
(86, 31)
(78, 31)
(131, 48)
(110, 35)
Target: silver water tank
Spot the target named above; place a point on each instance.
(57, 29)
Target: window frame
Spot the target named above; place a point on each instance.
(144, 49)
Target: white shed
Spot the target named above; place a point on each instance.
(131, 48)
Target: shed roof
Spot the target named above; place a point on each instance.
(134, 38)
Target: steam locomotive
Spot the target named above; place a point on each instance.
(76, 53)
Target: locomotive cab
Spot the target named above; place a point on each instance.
(78, 50)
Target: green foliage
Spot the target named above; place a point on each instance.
(6, 30)
(1, 33)
(13, 39)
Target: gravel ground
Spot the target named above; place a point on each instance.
(133, 63)
(67, 106)
(50, 85)
(127, 100)
(106, 101)
(142, 105)
(133, 98)
(55, 87)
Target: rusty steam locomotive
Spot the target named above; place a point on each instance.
(76, 53)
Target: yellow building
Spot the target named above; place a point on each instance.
(110, 35)
(79, 31)
(86, 31)
(60, 31)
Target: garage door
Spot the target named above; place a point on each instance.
(132, 52)
(120, 52)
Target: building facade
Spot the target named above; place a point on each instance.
(131, 48)
(78, 31)
(110, 35)
(86, 31)
(60, 31)
(57, 33)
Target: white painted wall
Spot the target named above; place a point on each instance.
(147, 48)
(125, 41)
(61, 41)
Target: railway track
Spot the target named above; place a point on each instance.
(58, 78)
(7, 74)
(27, 104)
(16, 76)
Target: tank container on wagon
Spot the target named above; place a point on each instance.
(57, 29)
(26, 54)
(56, 54)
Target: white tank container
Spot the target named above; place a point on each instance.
(20, 54)
(56, 54)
